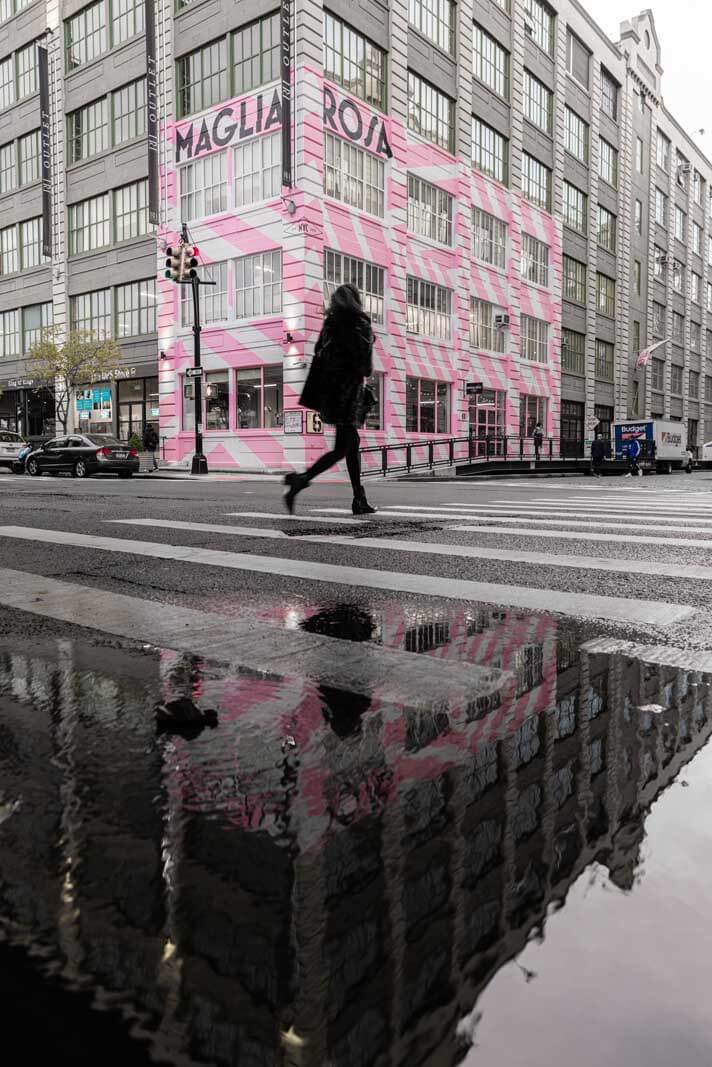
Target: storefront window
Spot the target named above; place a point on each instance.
(217, 400)
(188, 404)
(259, 398)
(488, 421)
(138, 405)
(94, 409)
(273, 381)
(532, 410)
(427, 406)
(374, 421)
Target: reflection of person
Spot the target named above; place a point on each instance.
(344, 351)
(342, 710)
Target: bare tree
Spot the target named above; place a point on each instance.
(81, 358)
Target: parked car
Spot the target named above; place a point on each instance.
(84, 455)
(11, 444)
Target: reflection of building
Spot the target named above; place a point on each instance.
(355, 892)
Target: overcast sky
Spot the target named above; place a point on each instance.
(684, 28)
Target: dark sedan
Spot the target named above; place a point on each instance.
(83, 455)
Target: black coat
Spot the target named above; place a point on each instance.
(150, 439)
(345, 347)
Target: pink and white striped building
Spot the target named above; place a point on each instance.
(462, 274)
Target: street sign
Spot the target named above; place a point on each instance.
(591, 423)
(314, 423)
(194, 372)
(292, 421)
(474, 388)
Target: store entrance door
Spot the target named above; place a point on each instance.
(138, 405)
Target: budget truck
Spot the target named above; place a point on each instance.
(663, 444)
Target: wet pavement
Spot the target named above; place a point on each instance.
(300, 875)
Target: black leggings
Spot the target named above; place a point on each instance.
(346, 446)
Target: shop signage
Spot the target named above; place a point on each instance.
(218, 131)
(152, 112)
(21, 383)
(346, 119)
(292, 422)
(314, 423)
(45, 151)
(307, 229)
(285, 63)
(473, 388)
(194, 372)
(120, 372)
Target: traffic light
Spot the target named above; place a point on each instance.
(181, 263)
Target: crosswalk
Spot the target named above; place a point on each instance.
(635, 558)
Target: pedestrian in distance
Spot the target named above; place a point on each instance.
(689, 460)
(151, 442)
(538, 435)
(598, 455)
(633, 454)
(335, 387)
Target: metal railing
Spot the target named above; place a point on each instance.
(441, 452)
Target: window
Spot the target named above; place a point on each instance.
(636, 277)
(259, 402)
(131, 210)
(257, 169)
(489, 238)
(695, 288)
(255, 51)
(538, 103)
(368, 278)
(129, 111)
(490, 151)
(697, 238)
(484, 333)
(578, 59)
(658, 320)
(608, 162)
(695, 337)
(8, 168)
(91, 312)
(201, 77)
(609, 95)
(217, 399)
(535, 260)
(676, 381)
(697, 187)
(85, 36)
(353, 62)
(36, 320)
(639, 159)
(536, 181)
(636, 336)
(574, 280)
(535, 339)
(214, 299)
(657, 374)
(606, 295)
(709, 296)
(661, 260)
(429, 211)
(682, 170)
(575, 208)
(9, 259)
(436, 20)
(258, 285)
(429, 309)
(490, 62)
(663, 151)
(89, 224)
(539, 23)
(678, 276)
(639, 216)
(9, 335)
(26, 66)
(694, 385)
(135, 305)
(604, 361)
(427, 406)
(576, 136)
(353, 176)
(431, 113)
(7, 82)
(203, 187)
(678, 327)
(661, 205)
(607, 229)
(31, 244)
(87, 131)
(126, 20)
(573, 352)
(29, 151)
(680, 223)
(708, 389)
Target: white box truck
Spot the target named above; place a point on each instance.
(663, 443)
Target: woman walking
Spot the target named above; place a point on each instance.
(343, 357)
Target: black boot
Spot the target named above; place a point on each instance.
(295, 483)
(360, 505)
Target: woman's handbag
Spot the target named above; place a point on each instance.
(313, 391)
(367, 402)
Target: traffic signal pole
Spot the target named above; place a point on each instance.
(200, 463)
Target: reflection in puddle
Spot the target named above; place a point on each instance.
(324, 878)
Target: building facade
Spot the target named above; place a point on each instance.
(493, 176)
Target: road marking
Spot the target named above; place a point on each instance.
(663, 655)
(653, 506)
(285, 516)
(506, 517)
(579, 605)
(358, 667)
(585, 535)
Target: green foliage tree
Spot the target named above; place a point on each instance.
(70, 363)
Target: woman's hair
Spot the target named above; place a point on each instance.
(345, 300)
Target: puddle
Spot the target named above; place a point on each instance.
(326, 878)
